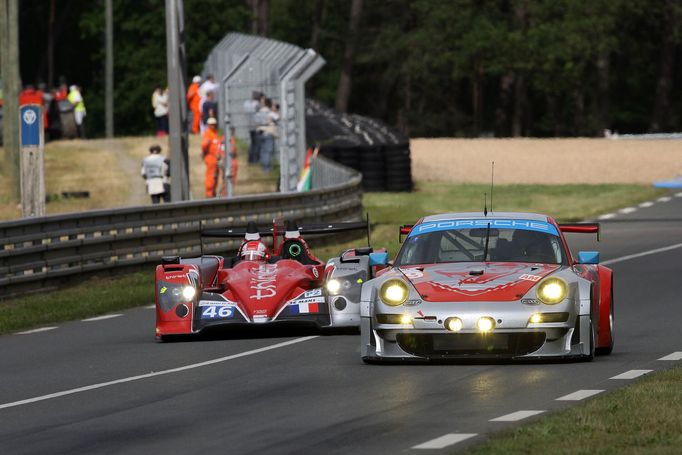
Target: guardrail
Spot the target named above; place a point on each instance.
(43, 253)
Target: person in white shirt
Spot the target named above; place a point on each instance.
(251, 106)
(160, 105)
(208, 85)
(155, 172)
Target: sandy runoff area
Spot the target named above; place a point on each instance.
(546, 161)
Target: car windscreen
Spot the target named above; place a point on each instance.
(469, 245)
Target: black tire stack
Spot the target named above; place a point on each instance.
(380, 153)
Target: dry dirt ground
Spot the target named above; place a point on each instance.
(548, 161)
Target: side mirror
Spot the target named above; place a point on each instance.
(378, 259)
(588, 257)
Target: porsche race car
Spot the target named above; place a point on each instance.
(475, 285)
(256, 287)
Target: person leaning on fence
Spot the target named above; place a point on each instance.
(211, 152)
(251, 107)
(267, 133)
(154, 170)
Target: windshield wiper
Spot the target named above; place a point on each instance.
(487, 239)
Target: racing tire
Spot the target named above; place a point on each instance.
(606, 350)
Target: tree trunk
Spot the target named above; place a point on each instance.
(477, 99)
(520, 94)
(260, 13)
(345, 82)
(503, 103)
(603, 106)
(665, 74)
(50, 46)
(318, 19)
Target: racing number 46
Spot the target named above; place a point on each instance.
(216, 312)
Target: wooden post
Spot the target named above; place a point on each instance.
(9, 60)
(32, 167)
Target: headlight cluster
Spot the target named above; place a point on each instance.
(394, 292)
(350, 286)
(552, 290)
(170, 294)
(484, 324)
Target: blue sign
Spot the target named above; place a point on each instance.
(30, 125)
(446, 225)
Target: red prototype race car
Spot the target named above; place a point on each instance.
(259, 287)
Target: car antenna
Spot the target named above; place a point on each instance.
(485, 204)
(492, 181)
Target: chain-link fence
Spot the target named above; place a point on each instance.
(243, 64)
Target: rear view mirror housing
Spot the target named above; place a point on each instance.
(588, 257)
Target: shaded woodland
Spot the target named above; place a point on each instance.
(464, 68)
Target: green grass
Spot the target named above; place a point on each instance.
(93, 297)
(643, 418)
(387, 212)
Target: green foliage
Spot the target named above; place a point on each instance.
(431, 67)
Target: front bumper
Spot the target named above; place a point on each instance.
(552, 340)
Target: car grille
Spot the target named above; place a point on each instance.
(455, 345)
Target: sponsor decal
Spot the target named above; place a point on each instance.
(216, 311)
(530, 301)
(260, 312)
(412, 273)
(316, 274)
(263, 284)
(446, 225)
(175, 276)
(413, 302)
(527, 277)
(313, 293)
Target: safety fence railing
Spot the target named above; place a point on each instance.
(43, 253)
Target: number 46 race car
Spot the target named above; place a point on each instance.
(256, 287)
(475, 285)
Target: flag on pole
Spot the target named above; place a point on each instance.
(305, 181)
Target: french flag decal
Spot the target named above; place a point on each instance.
(304, 307)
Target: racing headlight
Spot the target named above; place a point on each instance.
(333, 286)
(552, 290)
(485, 324)
(188, 292)
(454, 324)
(394, 292)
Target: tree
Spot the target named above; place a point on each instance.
(345, 81)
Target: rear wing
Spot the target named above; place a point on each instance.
(404, 230)
(580, 228)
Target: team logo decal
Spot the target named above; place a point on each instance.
(263, 284)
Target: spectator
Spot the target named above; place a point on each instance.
(154, 171)
(76, 99)
(208, 110)
(160, 105)
(251, 106)
(193, 101)
(211, 152)
(267, 130)
(208, 85)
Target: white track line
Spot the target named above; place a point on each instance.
(646, 204)
(607, 216)
(643, 253)
(673, 356)
(678, 194)
(150, 307)
(579, 395)
(664, 199)
(445, 441)
(157, 373)
(42, 329)
(101, 318)
(516, 416)
(632, 374)
(627, 210)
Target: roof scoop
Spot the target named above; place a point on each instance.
(252, 231)
(476, 272)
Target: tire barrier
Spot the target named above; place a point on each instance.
(38, 254)
(379, 152)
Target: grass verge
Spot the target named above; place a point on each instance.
(387, 211)
(642, 418)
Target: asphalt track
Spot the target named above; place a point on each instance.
(302, 393)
